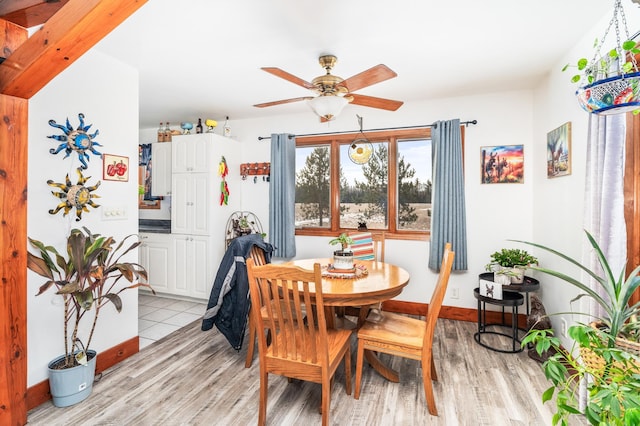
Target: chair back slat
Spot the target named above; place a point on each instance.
(438, 295)
(368, 245)
(298, 334)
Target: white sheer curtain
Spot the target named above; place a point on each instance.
(604, 193)
(604, 203)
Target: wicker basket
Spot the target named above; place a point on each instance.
(628, 345)
(597, 364)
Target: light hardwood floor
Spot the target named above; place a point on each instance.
(195, 378)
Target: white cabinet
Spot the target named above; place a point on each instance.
(156, 256)
(193, 265)
(198, 220)
(161, 169)
(191, 203)
(192, 153)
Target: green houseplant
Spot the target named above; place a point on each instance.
(343, 239)
(343, 258)
(511, 262)
(606, 348)
(88, 278)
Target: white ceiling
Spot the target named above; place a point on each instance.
(202, 58)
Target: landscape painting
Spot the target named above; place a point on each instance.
(559, 151)
(502, 164)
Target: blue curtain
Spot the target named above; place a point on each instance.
(448, 221)
(282, 195)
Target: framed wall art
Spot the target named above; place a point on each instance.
(559, 151)
(145, 163)
(115, 167)
(502, 164)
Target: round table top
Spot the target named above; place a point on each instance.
(384, 281)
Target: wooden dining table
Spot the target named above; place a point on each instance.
(382, 281)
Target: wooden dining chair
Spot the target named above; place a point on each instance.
(408, 337)
(368, 245)
(365, 246)
(301, 345)
(257, 254)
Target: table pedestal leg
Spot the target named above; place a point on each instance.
(384, 371)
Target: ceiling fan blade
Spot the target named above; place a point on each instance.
(283, 101)
(289, 77)
(367, 78)
(373, 102)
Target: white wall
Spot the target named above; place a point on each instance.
(106, 92)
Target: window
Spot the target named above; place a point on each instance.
(391, 192)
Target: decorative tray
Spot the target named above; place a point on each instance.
(357, 271)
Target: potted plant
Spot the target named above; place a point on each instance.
(512, 263)
(343, 258)
(87, 279)
(609, 83)
(609, 347)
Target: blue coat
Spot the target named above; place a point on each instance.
(229, 301)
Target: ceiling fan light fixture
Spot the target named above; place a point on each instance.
(328, 107)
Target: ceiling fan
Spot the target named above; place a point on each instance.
(333, 92)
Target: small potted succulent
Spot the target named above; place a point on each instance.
(343, 258)
(511, 263)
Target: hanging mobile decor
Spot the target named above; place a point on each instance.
(223, 171)
(75, 196)
(361, 149)
(75, 140)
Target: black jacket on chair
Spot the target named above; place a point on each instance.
(229, 301)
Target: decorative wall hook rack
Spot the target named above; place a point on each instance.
(255, 169)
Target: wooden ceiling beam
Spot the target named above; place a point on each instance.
(12, 36)
(34, 15)
(66, 36)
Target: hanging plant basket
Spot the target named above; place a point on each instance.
(613, 95)
(610, 83)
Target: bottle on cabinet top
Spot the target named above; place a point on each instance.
(167, 133)
(199, 126)
(160, 133)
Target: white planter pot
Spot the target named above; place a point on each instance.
(517, 275)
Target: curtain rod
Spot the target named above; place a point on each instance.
(466, 123)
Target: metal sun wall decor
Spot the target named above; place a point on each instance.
(75, 196)
(75, 140)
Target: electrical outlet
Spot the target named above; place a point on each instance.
(454, 293)
(563, 327)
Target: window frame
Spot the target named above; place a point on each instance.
(334, 141)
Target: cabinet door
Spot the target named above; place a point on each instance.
(180, 203)
(161, 169)
(191, 154)
(190, 203)
(192, 266)
(201, 278)
(182, 264)
(155, 256)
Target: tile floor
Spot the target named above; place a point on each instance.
(159, 316)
